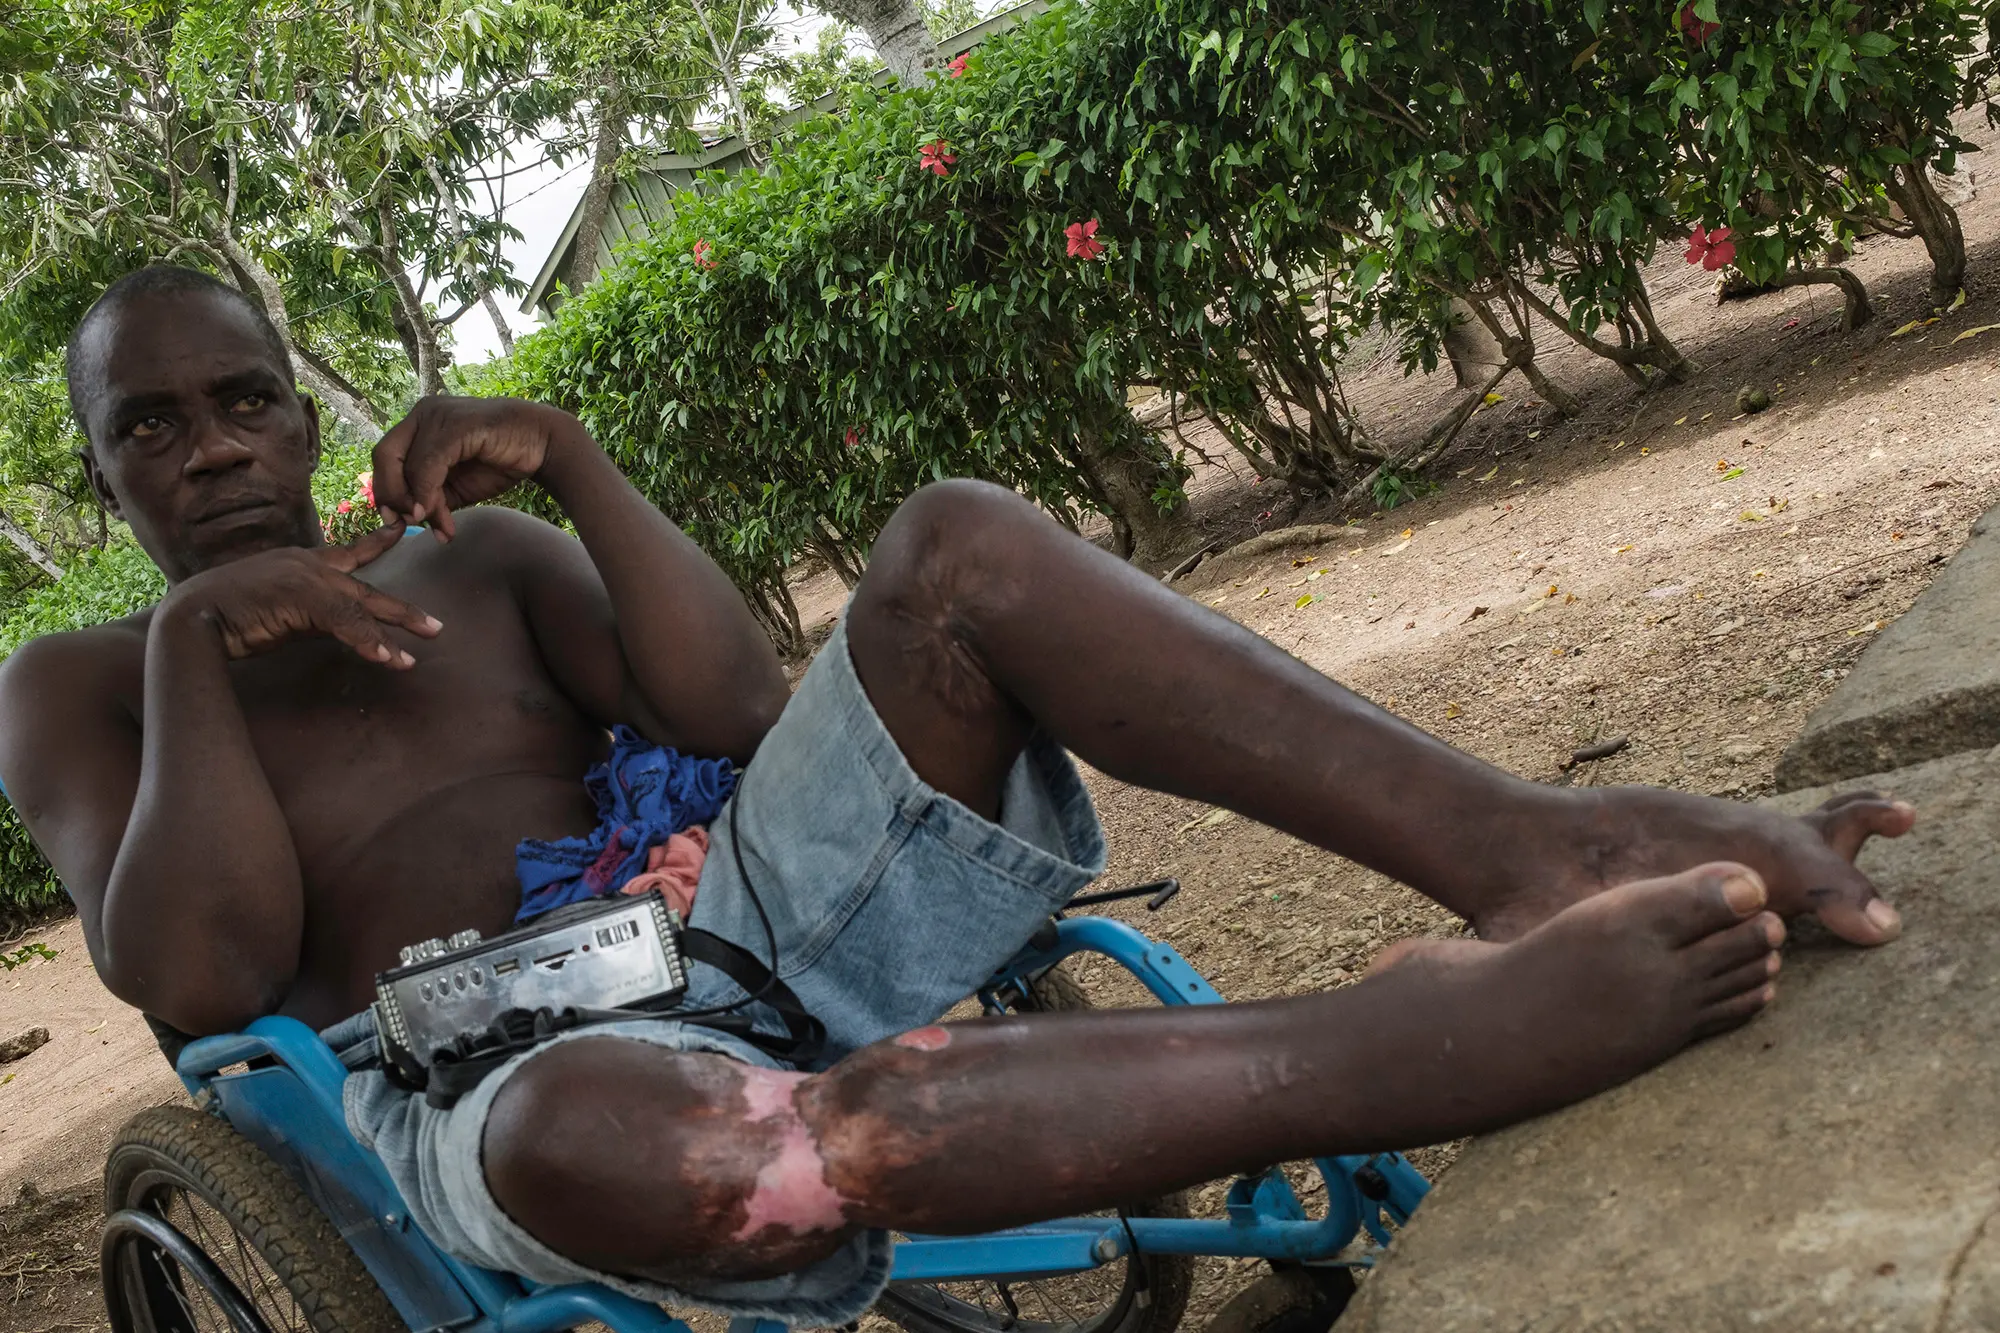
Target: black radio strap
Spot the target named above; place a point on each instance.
(455, 1071)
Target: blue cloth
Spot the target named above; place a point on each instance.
(645, 794)
(890, 902)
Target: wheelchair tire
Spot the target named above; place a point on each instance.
(254, 1221)
(1290, 1300)
(1148, 1296)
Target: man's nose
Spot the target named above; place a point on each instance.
(217, 448)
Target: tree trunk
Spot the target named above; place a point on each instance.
(1854, 311)
(1126, 472)
(604, 153)
(725, 69)
(24, 541)
(1937, 222)
(1518, 350)
(499, 321)
(1471, 344)
(895, 29)
(412, 321)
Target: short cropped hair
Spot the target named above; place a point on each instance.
(154, 280)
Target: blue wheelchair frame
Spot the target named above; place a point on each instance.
(290, 1107)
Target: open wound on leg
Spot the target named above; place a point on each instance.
(932, 1038)
(791, 1192)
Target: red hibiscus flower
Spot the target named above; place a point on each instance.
(344, 507)
(934, 157)
(1711, 249)
(366, 481)
(853, 437)
(1696, 27)
(957, 65)
(1083, 242)
(704, 257)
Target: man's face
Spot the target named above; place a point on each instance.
(198, 438)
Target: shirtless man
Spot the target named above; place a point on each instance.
(306, 756)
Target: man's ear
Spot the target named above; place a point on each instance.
(99, 487)
(312, 425)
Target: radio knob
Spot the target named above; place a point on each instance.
(464, 939)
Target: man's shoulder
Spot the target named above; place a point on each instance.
(495, 536)
(77, 660)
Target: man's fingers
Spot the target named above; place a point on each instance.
(364, 549)
(1846, 822)
(354, 626)
(392, 490)
(427, 463)
(395, 611)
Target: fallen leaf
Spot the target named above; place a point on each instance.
(1568, 597)
(1518, 481)
(1722, 465)
(1305, 599)
(1937, 485)
(1680, 421)
(1551, 592)
(1220, 600)
(1644, 450)
(5, 1081)
(1297, 563)
(1778, 506)
(1620, 445)
(1756, 573)
(1215, 818)
(1397, 547)
(1534, 435)
(1477, 612)
(1750, 516)
(1490, 474)
(1451, 710)
(1865, 629)
(1623, 549)
(1975, 332)
(1731, 474)
(1492, 398)
(1956, 301)
(1262, 595)
(89, 1032)
(1895, 536)
(1912, 325)
(1315, 574)
(1409, 532)
(1411, 625)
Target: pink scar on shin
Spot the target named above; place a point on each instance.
(791, 1190)
(932, 1038)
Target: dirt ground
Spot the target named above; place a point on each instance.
(1661, 569)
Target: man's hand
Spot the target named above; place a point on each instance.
(449, 453)
(274, 596)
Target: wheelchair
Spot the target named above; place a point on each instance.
(255, 1211)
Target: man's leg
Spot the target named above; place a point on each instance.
(687, 1168)
(979, 619)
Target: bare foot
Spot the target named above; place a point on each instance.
(1620, 834)
(1597, 994)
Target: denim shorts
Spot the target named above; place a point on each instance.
(890, 902)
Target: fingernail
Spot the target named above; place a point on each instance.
(404, 659)
(433, 624)
(1745, 893)
(381, 652)
(1886, 918)
(417, 514)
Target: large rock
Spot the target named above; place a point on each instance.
(1929, 686)
(1835, 1165)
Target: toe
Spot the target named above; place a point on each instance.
(1733, 946)
(1751, 976)
(1846, 822)
(1735, 1011)
(1711, 898)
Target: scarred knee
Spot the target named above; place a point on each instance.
(631, 1158)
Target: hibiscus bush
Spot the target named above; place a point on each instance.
(1215, 197)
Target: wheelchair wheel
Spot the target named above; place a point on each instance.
(1291, 1300)
(255, 1224)
(1148, 1294)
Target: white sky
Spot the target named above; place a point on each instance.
(540, 201)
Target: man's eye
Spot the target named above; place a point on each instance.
(146, 426)
(249, 402)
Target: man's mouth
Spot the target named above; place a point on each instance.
(240, 507)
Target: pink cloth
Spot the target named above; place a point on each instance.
(674, 868)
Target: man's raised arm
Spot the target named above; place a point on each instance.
(165, 829)
(697, 671)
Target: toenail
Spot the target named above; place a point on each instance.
(1774, 932)
(1745, 893)
(1771, 965)
(1885, 918)
(1770, 992)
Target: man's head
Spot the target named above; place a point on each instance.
(196, 433)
